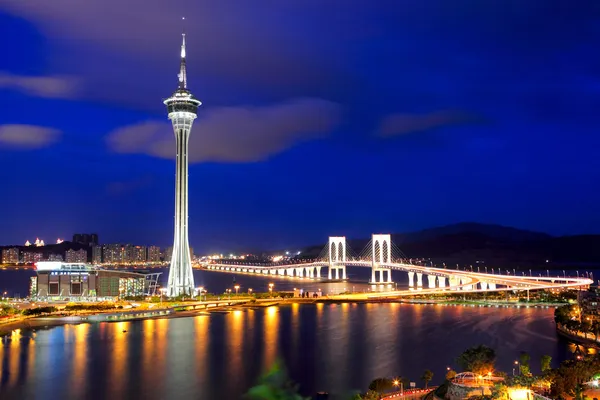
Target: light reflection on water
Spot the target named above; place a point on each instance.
(332, 347)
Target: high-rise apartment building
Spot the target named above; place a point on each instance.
(139, 254)
(30, 257)
(111, 253)
(10, 256)
(96, 254)
(154, 254)
(76, 256)
(55, 257)
(86, 238)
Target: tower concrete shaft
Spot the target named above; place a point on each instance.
(182, 108)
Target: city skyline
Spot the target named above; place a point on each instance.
(451, 125)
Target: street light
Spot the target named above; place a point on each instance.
(250, 291)
(398, 382)
(271, 289)
(237, 287)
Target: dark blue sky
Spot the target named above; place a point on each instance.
(319, 118)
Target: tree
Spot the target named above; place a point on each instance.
(524, 363)
(381, 385)
(479, 360)
(450, 374)
(545, 362)
(275, 385)
(427, 377)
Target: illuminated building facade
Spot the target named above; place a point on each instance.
(154, 254)
(30, 257)
(61, 280)
(182, 110)
(75, 256)
(96, 254)
(10, 256)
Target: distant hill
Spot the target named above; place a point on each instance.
(493, 245)
(488, 230)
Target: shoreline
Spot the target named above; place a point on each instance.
(45, 322)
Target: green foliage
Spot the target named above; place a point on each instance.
(545, 362)
(274, 385)
(499, 392)
(479, 360)
(427, 377)
(572, 373)
(381, 385)
(39, 311)
(524, 364)
(7, 310)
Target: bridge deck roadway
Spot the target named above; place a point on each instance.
(509, 282)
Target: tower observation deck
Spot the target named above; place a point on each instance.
(182, 111)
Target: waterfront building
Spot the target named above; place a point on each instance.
(138, 254)
(111, 253)
(59, 280)
(182, 110)
(76, 256)
(154, 254)
(168, 253)
(55, 257)
(96, 254)
(10, 255)
(30, 257)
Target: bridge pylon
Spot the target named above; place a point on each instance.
(337, 257)
(381, 254)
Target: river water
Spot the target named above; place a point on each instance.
(325, 347)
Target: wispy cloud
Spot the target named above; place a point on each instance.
(400, 124)
(27, 136)
(234, 134)
(40, 86)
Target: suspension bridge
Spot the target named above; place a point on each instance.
(382, 256)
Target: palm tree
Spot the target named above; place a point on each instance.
(427, 377)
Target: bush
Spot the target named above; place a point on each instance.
(39, 310)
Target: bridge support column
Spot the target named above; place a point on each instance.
(299, 272)
(344, 272)
(419, 279)
(411, 279)
(442, 281)
(483, 285)
(290, 272)
(329, 276)
(389, 271)
(337, 273)
(431, 281)
(453, 282)
(319, 272)
(373, 280)
(244, 269)
(492, 286)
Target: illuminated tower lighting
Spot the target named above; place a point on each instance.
(182, 108)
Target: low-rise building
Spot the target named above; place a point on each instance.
(68, 280)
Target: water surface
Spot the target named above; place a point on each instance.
(334, 348)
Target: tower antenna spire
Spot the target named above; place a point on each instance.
(182, 71)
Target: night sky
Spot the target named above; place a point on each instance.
(319, 118)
